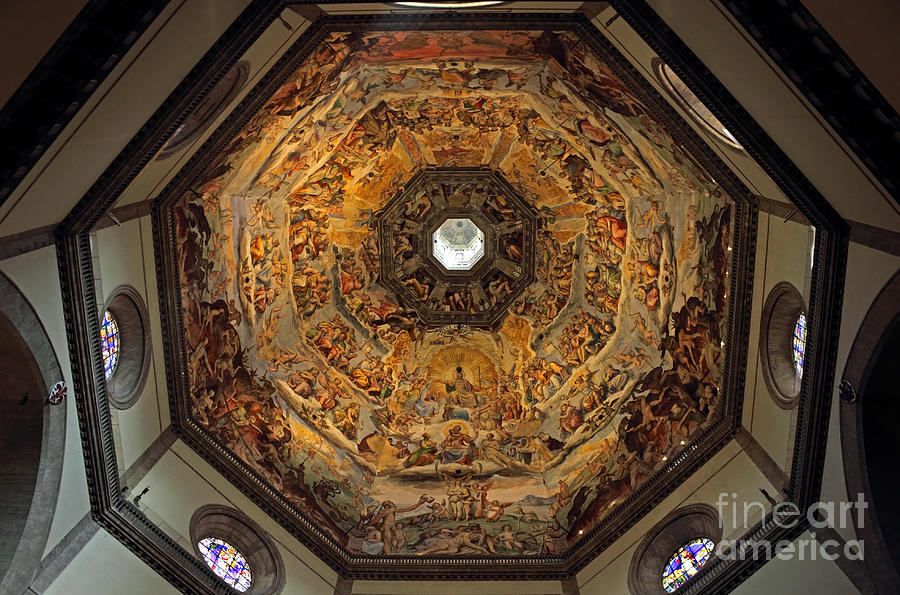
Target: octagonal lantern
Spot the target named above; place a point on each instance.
(457, 246)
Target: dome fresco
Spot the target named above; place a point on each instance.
(400, 433)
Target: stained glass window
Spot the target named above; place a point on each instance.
(799, 343)
(686, 562)
(228, 563)
(109, 342)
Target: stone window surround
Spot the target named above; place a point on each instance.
(126, 384)
(782, 307)
(234, 527)
(678, 528)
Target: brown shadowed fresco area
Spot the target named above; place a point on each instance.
(395, 434)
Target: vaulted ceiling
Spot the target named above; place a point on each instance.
(398, 407)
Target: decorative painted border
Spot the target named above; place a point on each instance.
(186, 572)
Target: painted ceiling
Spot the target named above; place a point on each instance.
(400, 434)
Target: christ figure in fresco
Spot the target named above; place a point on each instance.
(460, 391)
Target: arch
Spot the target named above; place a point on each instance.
(781, 310)
(125, 385)
(207, 110)
(37, 470)
(681, 526)
(690, 103)
(870, 363)
(237, 529)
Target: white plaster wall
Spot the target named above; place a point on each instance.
(791, 574)
(126, 258)
(783, 254)
(182, 482)
(868, 271)
(729, 472)
(106, 567)
(37, 277)
(179, 39)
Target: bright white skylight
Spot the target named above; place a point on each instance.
(458, 244)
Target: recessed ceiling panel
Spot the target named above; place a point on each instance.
(499, 404)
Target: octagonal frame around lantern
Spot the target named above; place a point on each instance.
(121, 519)
(391, 218)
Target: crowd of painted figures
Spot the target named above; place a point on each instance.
(399, 439)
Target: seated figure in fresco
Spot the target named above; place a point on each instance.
(456, 447)
(460, 391)
(425, 454)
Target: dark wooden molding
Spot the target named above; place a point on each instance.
(824, 308)
(64, 79)
(183, 570)
(877, 238)
(829, 80)
(41, 237)
(766, 464)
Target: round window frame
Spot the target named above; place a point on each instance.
(129, 376)
(782, 308)
(237, 529)
(241, 74)
(659, 70)
(677, 529)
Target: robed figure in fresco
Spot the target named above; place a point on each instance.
(425, 454)
(456, 446)
(461, 392)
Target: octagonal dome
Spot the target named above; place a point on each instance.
(358, 384)
(458, 244)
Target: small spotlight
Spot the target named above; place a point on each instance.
(729, 248)
(580, 532)
(665, 458)
(682, 443)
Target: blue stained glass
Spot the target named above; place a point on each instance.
(686, 562)
(799, 344)
(109, 343)
(226, 562)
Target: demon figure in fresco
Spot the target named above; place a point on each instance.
(400, 436)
